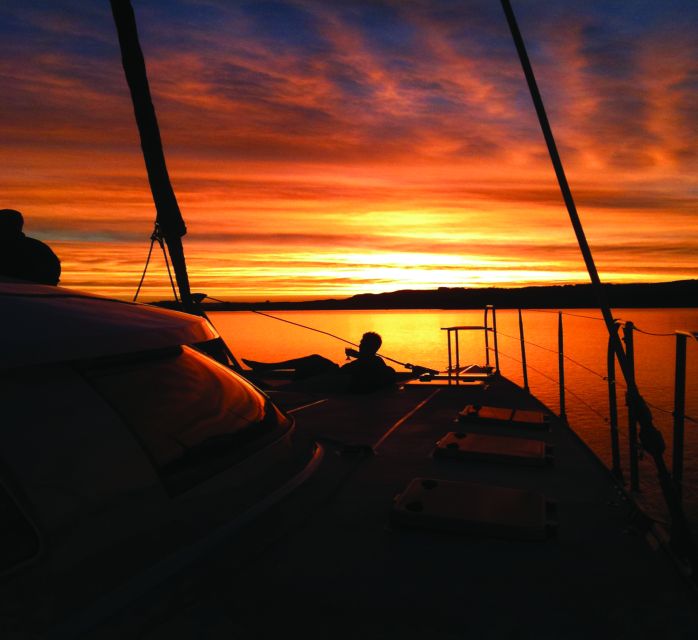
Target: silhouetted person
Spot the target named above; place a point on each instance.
(367, 373)
(23, 257)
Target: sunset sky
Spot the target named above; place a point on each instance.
(322, 149)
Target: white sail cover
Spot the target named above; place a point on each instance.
(42, 324)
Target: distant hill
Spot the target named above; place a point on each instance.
(683, 293)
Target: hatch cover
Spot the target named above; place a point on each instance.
(505, 416)
(474, 446)
(476, 509)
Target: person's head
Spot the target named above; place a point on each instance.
(370, 343)
(11, 222)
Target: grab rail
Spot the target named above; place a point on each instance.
(454, 366)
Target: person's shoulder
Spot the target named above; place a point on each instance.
(38, 246)
(39, 262)
(380, 362)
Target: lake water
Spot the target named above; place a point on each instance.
(415, 336)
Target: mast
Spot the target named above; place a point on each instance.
(169, 221)
(650, 437)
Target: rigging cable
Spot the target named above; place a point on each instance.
(572, 360)
(297, 324)
(620, 383)
(671, 413)
(156, 236)
(145, 268)
(650, 333)
(167, 263)
(564, 313)
(407, 365)
(572, 393)
(605, 418)
(303, 326)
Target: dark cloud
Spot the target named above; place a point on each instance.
(285, 25)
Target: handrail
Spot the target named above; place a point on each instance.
(454, 368)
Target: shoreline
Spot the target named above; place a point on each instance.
(682, 294)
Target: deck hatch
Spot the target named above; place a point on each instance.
(476, 509)
(525, 416)
(505, 416)
(474, 446)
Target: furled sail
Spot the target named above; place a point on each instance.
(169, 218)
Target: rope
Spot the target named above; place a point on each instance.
(145, 268)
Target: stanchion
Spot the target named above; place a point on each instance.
(679, 410)
(561, 367)
(523, 353)
(613, 411)
(628, 328)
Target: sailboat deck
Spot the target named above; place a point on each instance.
(329, 562)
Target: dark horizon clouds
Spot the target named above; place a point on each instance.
(405, 124)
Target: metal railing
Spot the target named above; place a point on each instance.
(456, 371)
(628, 331)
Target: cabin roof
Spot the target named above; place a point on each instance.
(44, 324)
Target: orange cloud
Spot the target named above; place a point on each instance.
(325, 149)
